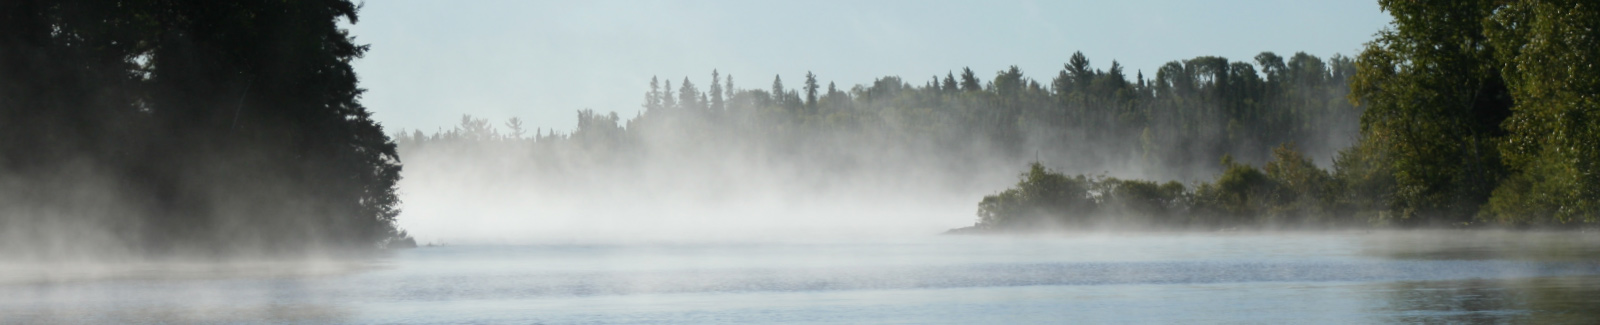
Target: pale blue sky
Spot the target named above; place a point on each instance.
(432, 61)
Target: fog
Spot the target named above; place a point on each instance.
(1335, 277)
(522, 192)
(149, 139)
(84, 218)
(217, 162)
(881, 159)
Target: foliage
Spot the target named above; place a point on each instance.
(1476, 113)
(1174, 125)
(215, 127)
(1155, 203)
(1305, 193)
(1434, 106)
(1549, 50)
(1480, 111)
(1462, 113)
(1289, 192)
(1041, 199)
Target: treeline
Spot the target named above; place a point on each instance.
(187, 127)
(945, 135)
(1173, 125)
(1477, 113)
(1287, 192)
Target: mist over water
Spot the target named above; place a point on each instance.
(214, 162)
(1321, 277)
(504, 194)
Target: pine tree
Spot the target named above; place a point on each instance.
(777, 90)
(689, 96)
(652, 99)
(949, 82)
(811, 91)
(667, 102)
(969, 80)
(716, 92)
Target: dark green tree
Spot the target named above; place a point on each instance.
(1547, 53)
(716, 92)
(226, 126)
(969, 80)
(1434, 105)
(950, 83)
(667, 101)
(689, 97)
(777, 90)
(811, 91)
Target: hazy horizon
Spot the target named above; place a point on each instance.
(432, 62)
(628, 162)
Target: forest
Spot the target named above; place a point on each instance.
(1461, 114)
(949, 133)
(1173, 125)
(1474, 114)
(193, 128)
(153, 127)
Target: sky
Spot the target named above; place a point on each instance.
(430, 62)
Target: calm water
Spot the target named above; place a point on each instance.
(1448, 277)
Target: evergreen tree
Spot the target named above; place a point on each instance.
(716, 92)
(667, 100)
(777, 91)
(811, 91)
(515, 125)
(949, 82)
(1078, 73)
(969, 80)
(652, 99)
(211, 116)
(689, 96)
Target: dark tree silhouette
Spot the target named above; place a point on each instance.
(223, 127)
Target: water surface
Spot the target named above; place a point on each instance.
(1344, 277)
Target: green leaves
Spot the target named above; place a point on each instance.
(1550, 54)
(1289, 192)
(1486, 108)
(1432, 109)
(1042, 198)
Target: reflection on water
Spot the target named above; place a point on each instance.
(1428, 277)
(1484, 245)
(1541, 300)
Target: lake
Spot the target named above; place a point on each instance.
(1291, 277)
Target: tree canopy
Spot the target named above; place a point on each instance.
(1476, 113)
(1463, 113)
(199, 127)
